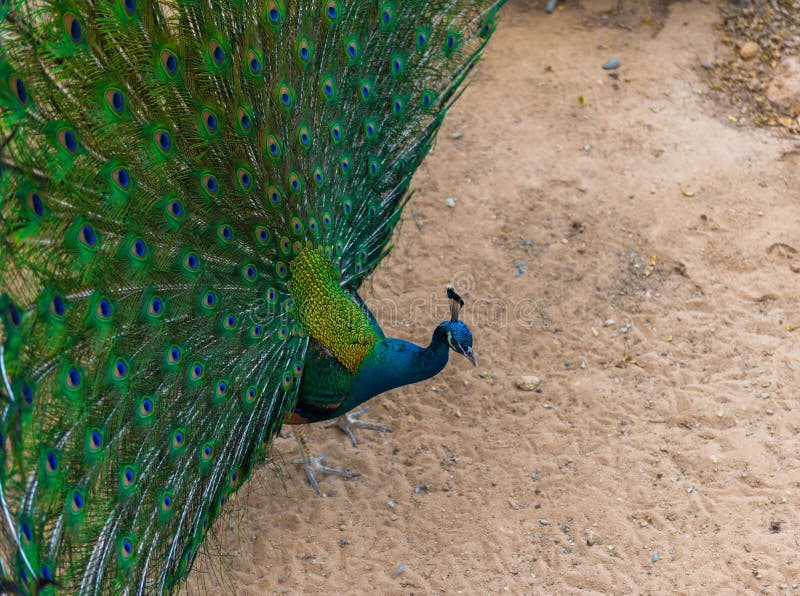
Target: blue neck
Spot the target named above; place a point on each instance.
(394, 363)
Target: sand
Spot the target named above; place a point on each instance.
(635, 250)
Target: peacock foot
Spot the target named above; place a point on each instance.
(351, 420)
(314, 465)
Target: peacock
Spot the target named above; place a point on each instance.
(191, 194)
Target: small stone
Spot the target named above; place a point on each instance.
(527, 383)
(612, 64)
(656, 558)
(455, 136)
(749, 50)
(401, 569)
(591, 539)
(450, 202)
(544, 522)
(690, 490)
(775, 526)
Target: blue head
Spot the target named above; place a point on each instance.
(458, 335)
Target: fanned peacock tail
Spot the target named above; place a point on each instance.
(162, 164)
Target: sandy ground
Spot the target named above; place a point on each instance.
(639, 255)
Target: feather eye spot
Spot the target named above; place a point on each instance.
(35, 204)
(103, 310)
(129, 6)
(326, 220)
(115, 101)
(225, 233)
(255, 65)
(19, 90)
(331, 10)
(386, 17)
(262, 234)
(127, 548)
(138, 249)
(230, 322)
(294, 182)
(145, 407)
(207, 452)
(197, 371)
(209, 300)
(345, 165)
(304, 138)
(191, 262)
(166, 503)
(336, 133)
(210, 121)
(73, 378)
(421, 40)
(274, 196)
(249, 272)
(120, 370)
(155, 307)
(271, 295)
(210, 184)
(177, 439)
(256, 331)
(313, 226)
(287, 381)
(222, 388)
(51, 462)
(76, 502)
(286, 99)
(303, 51)
(128, 476)
(57, 306)
(169, 63)
(87, 236)
(216, 52)
(319, 178)
(73, 28)
(274, 15)
(298, 369)
(297, 225)
(122, 178)
(163, 140)
(68, 140)
(281, 269)
(286, 245)
(352, 49)
(283, 332)
(174, 355)
(95, 440)
(175, 209)
(245, 122)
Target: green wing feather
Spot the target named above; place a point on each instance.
(162, 164)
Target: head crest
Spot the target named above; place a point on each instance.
(455, 303)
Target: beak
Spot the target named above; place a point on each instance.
(470, 355)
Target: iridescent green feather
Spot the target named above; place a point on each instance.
(162, 165)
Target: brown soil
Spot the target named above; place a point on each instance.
(658, 305)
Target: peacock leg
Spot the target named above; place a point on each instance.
(351, 420)
(314, 465)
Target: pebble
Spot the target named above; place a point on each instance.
(690, 490)
(612, 64)
(422, 488)
(656, 558)
(450, 202)
(749, 50)
(527, 383)
(544, 522)
(401, 569)
(456, 135)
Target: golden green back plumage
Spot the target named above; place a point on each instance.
(167, 168)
